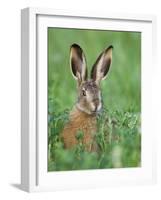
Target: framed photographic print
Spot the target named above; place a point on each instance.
(86, 99)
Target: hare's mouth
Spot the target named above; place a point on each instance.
(96, 107)
(92, 109)
(85, 110)
(96, 111)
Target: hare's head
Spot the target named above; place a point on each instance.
(89, 93)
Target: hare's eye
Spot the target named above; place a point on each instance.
(84, 92)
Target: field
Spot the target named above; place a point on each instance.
(119, 124)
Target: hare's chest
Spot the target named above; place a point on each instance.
(75, 125)
(86, 125)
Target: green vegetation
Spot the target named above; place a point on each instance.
(118, 135)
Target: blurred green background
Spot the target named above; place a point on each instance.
(121, 89)
(118, 134)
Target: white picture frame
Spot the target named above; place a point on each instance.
(34, 174)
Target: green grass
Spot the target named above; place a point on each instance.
(118, 134)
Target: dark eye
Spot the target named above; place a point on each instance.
(84, 92)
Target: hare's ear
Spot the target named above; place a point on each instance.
(78, 63)
(102, 65)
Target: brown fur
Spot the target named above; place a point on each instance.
(83, 116)
(80, 121)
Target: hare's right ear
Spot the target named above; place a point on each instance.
(78, 63)
(101, 67)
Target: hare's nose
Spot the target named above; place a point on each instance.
(96, 103)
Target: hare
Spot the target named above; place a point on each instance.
(89, 102)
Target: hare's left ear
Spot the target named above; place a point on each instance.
(102, 65)
(78, 63)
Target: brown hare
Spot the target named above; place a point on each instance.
(89, 103)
